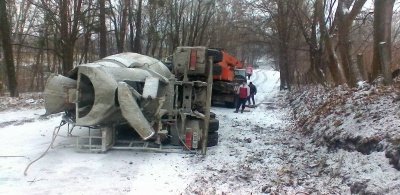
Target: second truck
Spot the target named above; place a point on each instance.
(228, 74)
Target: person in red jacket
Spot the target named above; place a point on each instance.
(243, 93)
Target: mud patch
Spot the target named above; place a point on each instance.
(268, 105)
(8, 123)
(16, 122)
(393, 154)
(358, 188)
(27, 120)
(362, 145)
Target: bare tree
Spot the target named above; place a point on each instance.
(103, 29)
(137, 46)
(154, 25)
(345, 21)
(200, 13)
(119, 13)
(69, 31)
(175, 17)
(66, 16)
(308, 24)
(22, 29)
(5, 31)
(89, 25)
(383, 11)
(318, 39)
(131, 27)
(37, 73)
(334, 66)
(283, 23)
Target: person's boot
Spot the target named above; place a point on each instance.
(236, 111)
(241, 111)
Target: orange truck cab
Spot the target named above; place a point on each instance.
(228, 73)
(227, 65)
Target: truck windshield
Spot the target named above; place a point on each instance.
(240, 72)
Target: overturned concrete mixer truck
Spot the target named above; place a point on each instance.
(132, 101)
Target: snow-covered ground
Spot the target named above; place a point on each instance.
(262, 151)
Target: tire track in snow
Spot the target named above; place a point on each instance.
(255, 76)
(266, 84)
(272, 88)
(260, 83)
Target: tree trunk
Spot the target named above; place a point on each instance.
(84, 54)
(384, 52)
(7, 49)
(315, 51)
(21, 26)
(283, 23)
(103, 29)
(137, 47)
(383, 11)
(67, 58)
(122, 31)
(334, 66)
(131, 32)
(36, 66)
(344, 46)
(361, 66)
(344, 24)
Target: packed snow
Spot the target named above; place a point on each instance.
(309, 141)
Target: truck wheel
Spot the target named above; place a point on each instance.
(232, 104)
(212, 139)
(229, 104)
(213, 126)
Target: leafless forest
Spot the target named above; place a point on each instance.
(325, 42)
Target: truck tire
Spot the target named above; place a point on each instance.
(229, 104)
(213, 125)
(232, 104)
(212, 139)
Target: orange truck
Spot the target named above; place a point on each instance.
(228, 73)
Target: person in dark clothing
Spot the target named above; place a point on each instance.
(243, 93)
(253, 91)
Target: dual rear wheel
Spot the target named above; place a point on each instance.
(212, 131)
